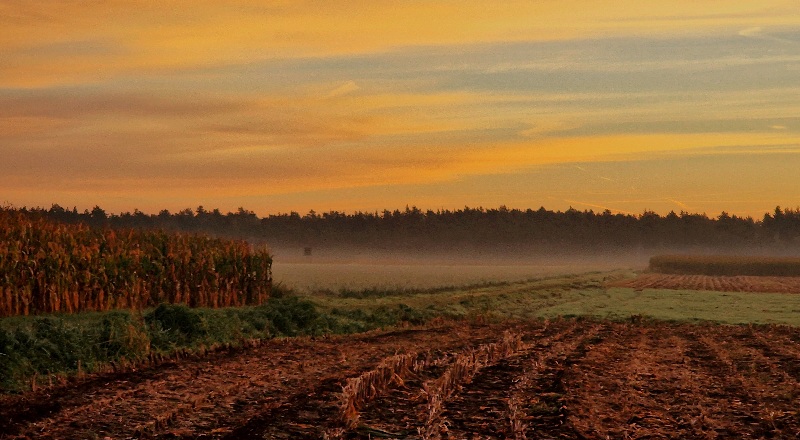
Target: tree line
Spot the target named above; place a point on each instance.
(478, 228)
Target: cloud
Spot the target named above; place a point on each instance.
(758, 32)
(681, 205)
(754, 31)
(87, 42)
(74, 103)
(345, 89)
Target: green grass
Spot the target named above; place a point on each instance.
(70, 343)
(680, 305)
(572, 295)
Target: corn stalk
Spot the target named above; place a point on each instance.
(48, 267)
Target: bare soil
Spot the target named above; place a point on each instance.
(718, 283)
(569, 379)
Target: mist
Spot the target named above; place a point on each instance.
(333, 268)
(337, 268)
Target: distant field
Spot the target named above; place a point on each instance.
(739, 283)
(725, 265)
(331, 276)
(356, 269)
(385, 273)
(590, 294)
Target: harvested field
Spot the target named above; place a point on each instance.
(739, 283)
(558, 379)
(728, 265)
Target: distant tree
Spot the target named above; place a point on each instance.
(412, 229)
(98, 214)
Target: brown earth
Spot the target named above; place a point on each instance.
(564, 379)
(706, 282)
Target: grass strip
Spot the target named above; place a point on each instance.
(43, 346)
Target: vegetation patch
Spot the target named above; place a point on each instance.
(69, 344)
(605, 295)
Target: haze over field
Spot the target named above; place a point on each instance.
(292, 106)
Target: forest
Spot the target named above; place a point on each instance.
(479, 228)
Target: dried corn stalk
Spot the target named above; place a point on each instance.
(46, 267)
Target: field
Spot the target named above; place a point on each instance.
(606, 354)
(334, 269)
(312, 277)
(563, 378)
(52, 267)
(594, 294)
(738, 283)
(502, 360)
(726, 265)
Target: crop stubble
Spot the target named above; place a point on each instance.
(562, 379)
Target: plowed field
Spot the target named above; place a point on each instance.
(718, 283)
(558, 379)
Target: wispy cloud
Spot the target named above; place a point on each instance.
(345, 89)
(758, 33)
(681, 205)
(130, 37)
(754, 31)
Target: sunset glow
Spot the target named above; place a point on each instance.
(293, 106)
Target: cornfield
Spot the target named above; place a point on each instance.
(725, 265)
(48, 267)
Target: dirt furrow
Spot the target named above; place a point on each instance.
(770, 375)
(482, 406)
(731, 403)
(541, 409)
(536, 401)
(398, 411)
(208, 397)
(402, 411)
(783, 354)
(312, 411)
(184, 391)
(564, 379)
(791, 335)
(632, 385)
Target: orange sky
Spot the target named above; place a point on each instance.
(624, 105)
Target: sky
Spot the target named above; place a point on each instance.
(282, 106)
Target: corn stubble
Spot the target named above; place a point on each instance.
(360, 390)
(465, 366)
(49, 267)
(396, 370)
